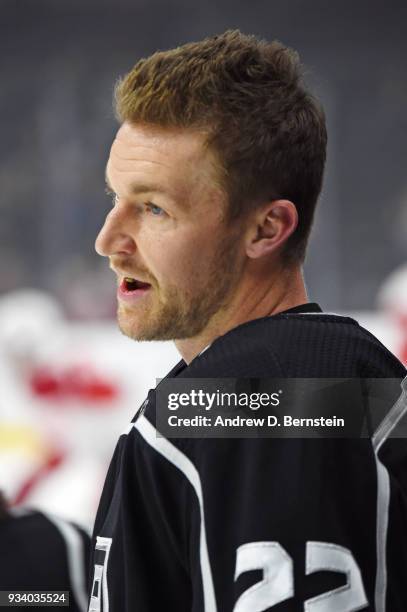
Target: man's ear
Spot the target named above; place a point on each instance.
(271, 226)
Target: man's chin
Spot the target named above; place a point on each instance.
(131, 328)
(171, 320)
(147, 330)
(140, 331)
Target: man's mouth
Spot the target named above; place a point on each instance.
(129, 285)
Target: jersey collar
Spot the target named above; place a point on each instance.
(311, 307)
(308, 307)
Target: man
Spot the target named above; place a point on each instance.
(215, 173)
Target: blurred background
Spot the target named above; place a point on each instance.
(69, 382)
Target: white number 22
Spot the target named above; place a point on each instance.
(278, 578)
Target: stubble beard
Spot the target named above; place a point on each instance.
(180, 314)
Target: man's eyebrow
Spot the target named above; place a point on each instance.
(136, 188)
(139, 187)
(144, 187)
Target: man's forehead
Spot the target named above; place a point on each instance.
(175, 158)
(165, 143)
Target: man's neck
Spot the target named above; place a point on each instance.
(248, 304)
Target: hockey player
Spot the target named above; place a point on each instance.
(42, 554)
(215, 173)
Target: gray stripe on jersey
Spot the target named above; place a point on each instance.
(76, 559)
(185, 465)
(335, 314)
(381, 434)
(392, 418)
(383, 500)
(75, 552)
(19, 511)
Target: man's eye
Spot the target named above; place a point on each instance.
(156, 211)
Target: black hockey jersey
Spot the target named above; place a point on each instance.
(42, 552)
(252, 525)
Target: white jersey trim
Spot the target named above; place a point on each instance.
(381, 434)
(127, 429)
(335, 314)
(185, 465)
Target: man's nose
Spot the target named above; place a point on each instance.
(114, 237)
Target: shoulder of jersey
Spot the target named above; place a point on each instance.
(31, 518)
(62, 544)
(297, 345)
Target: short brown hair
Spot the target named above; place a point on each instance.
(266, 129)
